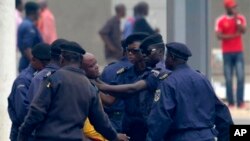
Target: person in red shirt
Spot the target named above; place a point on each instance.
(229, 29)
(46, 23)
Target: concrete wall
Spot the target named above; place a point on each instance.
(80, 20)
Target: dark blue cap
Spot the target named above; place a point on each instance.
(41, 51)
(138, 36)
(151, 40)
(56, 46)
(179, 50)
(73, 47)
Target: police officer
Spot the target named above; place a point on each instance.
(53, 65)
(28, 35)
(184, 102)
(17, 100)
(144, 88)
(115, 110)
(63, 102)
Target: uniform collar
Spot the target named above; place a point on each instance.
(52, 66)
(71, 68)
(181, 66)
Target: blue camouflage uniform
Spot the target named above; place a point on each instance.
(17, 100)
(27, 37)
(37, 80)
(116, 110)
(186, 107)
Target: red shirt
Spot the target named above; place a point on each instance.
(227, 25)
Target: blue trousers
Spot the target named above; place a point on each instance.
(234, 62)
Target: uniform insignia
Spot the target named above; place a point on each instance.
(48, 74)
(120, 71)
(155, 73)
(48, 85)
(163, 76)
(157, 95)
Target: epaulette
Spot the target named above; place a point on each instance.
(121, 70)
(155, 72)
(48, 74)
(164, 76)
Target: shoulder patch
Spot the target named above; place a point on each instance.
(157, 95)
(164, 76)
(49, 74)
(120, 71)
(155, 72)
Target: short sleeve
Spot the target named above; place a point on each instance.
(218, 27)
(243, 20)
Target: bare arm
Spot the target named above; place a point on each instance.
(28, 54)
(222, 36)
(107, 99)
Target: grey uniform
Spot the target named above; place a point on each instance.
(61, 106)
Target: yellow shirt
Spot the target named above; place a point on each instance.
(90, 132)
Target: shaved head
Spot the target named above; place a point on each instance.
(90, 66)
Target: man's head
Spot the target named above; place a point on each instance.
(43, 4)
(133, 43)
(41, 56)
(177, 53)
(71, 54)
(32, 10)
(19, 5)
(120, 10)
(90, 66)
(142, 9)
(56, 47)
(153, 49)
(230, 7)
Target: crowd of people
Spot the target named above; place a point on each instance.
(147, 93)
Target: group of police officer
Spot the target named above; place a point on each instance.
(151, 94)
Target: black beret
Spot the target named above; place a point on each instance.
(73, 47)
(41, 51)
(138, 36)
(56, 46)
(151, 40)
(179, 50)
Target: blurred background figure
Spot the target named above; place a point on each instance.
(19, 9)
(46, 23)
(141, 24)
(111, 34)
(229, 29)
(129, 25)
(28, 35)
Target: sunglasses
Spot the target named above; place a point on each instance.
(134, 51)
(149, 51)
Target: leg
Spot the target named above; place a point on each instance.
(228, 72)
(240, 73)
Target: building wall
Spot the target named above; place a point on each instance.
(80, 20)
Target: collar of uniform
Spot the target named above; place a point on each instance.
(181, 66)
(160, 65)
(124, 58)
(52, 66)
(71, 68)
